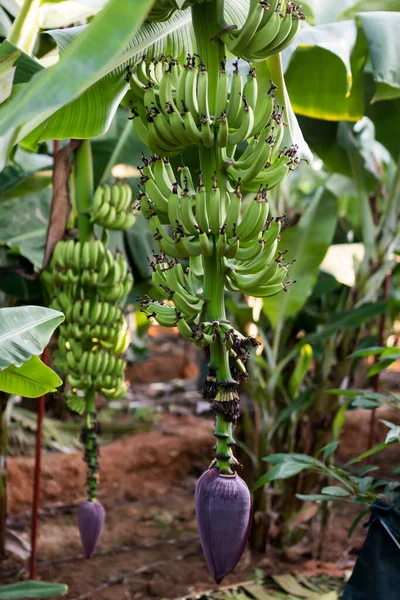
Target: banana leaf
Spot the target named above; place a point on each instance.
(24, 332)
(31, 380)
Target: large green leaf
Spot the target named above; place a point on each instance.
(77, 120)
(88, 59)
(368, 6)
(347, 320)
(31, 380)
(333, 141)
(23, 224)
(386, 118)
(283, 470)
(29, 173)
(11, 6)
(7, 72)
(93, 63)
(140, 243)
(5, 23)
(118, 146)
(26, 66)
(63, 13)
(24, 332)
(307, 242)
(325, 11)
(32, 589)
(382, 32)
(324, 71)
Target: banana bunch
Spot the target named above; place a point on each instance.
(270, 27)
(90, 265)
(172, 284)
(177, 109)
(87, 283)
(206, 220)
(258, 269)
(113, 207)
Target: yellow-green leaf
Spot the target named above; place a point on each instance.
(324, 73)
(308, 243)
(32, 380)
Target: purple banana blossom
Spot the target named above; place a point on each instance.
(223, 509)
(91, 517)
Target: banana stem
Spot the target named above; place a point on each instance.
(91, 448)
(214, 292)
(3, 473)
(25, 28)
(211, 52)
(84, 189)
(205, 25)
(223, 450)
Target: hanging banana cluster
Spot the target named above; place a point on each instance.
(206, 222)
(213, 225)
(210, 218)
(269, 28)
(113, 207)
(88, 284)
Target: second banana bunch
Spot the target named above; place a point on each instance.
(90, 285)
(208, 220)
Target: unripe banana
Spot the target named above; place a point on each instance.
(222, 90)
(235, 98)
(214, 207)
(201, 207)
(187, 215)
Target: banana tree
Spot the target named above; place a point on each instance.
(188, 101)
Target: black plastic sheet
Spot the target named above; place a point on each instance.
(376, 574)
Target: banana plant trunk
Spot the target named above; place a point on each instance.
(3, 473)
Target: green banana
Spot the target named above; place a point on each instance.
(235, 98)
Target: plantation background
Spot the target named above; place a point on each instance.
(324, 380)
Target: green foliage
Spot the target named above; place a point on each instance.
(84, 63)
(363, 6)
(32, 589)
(307, 243)
(327, 52)
(25, 66)
(24, 232)
(62, 13)
(348, 320)
(300, 371)
(30, 380)
(7, 70)
(24, 332)
(381, 30)
(335, 73)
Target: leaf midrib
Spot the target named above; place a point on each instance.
(11, 334)
(28, 379)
